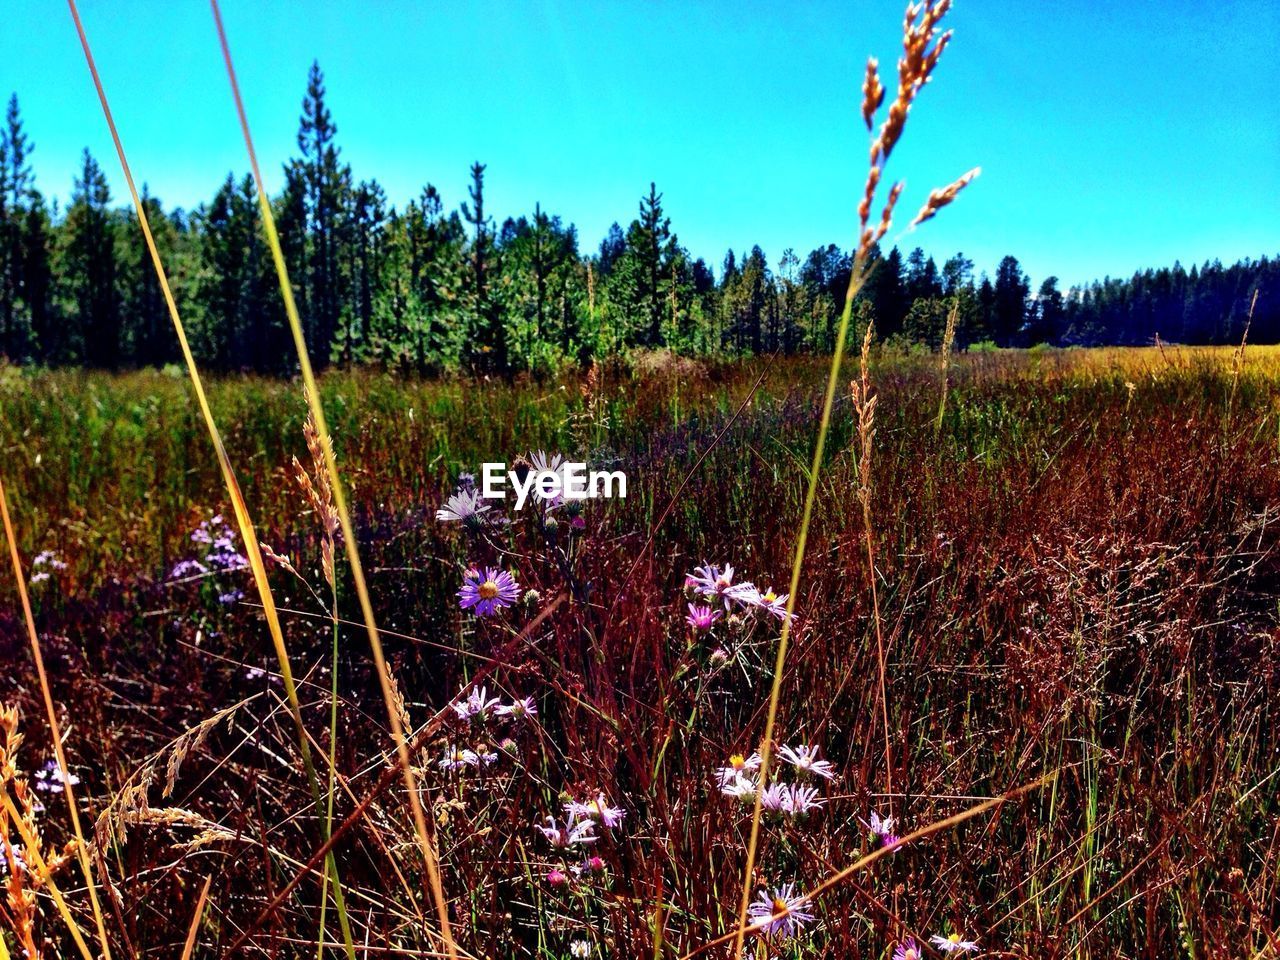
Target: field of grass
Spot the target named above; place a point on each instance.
(1075, 576)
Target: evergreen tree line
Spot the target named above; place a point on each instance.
(423, 289)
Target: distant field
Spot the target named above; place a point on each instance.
(1077, 574)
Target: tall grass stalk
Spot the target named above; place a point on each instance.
(55, 733)
(425, 841)
(921, 51)
(944, 361)
(240, 508)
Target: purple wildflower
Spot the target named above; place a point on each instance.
(805, 759)
(571, 834)
(907, 950)
(50, 779)
(800, 801)
(775, 798)
(597, 810)
(953, 944)
(518, 709)
(715, 583)
(779, 913)
(702, 617)
(488, 592)
(465, 506)
(455, 758)
(187, 568)
(477, 704)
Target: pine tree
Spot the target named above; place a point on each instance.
(16, 202)
(324, 182)
(89, 273)
(488, 342)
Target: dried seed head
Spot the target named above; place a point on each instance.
(872, 92)
(940, 198)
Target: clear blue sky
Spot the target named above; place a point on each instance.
(1111, 135)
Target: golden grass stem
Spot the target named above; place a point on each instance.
(429, 854)
(32, 849)
(856, 279)
(239, 507)
(195, 919)
(55, 733)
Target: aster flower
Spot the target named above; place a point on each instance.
(597, 810)
(882, 826)
(484, 755)
(800, 800)
(464, 506)
(907, 950)
(774, 798)
(579, 949)
(50, 779)
(455, 758)
(740, 788)
(702, 617)
(488, 592)
(768, 601)
(571, 834)
(715, 583)
(738, 766)
(187, 568)
(953, 944)
(779, 912)
(40, 576)
(477, 704)
(805, 759)
(230, 597)
(545, 462)
(518, 709)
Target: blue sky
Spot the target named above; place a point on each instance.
(1111, 135)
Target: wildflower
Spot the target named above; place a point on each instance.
(800, 801)
(597, 810)
(40, 576)
(882, 826)
(465, 506)
(488, 592)
(477, 704)
(805, 759)
(51, 778)
(484, 755)
(740, 788)
(518, 709)
(187, 568)
(558, 878)
(455, 758)
(702, 617)
(592, 865)
(907, 950)
(738, 767)
(780, 912)
(255, 673)
(767, 601)
(775, 798)
(580, 949)
(953, 944)
(230, 597)
(714, 583)
(571, 834)
(48, 558)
